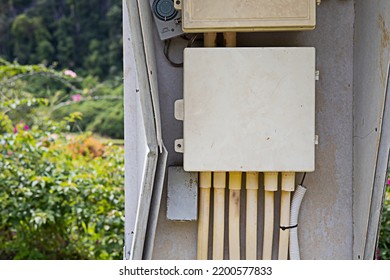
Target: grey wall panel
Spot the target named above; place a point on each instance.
(135, 148)
(380, 184)
(325, 230)
(372, 45)
(174, 240)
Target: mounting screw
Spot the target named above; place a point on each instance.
(178, 4)
(179, 143)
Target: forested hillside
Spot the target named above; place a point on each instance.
(85, 36)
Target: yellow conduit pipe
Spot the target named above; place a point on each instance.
(219, 215)
(252, 186)
(210, 40)
(204, 215)
(270, 187)
(288, 185)
(234, 214)
(230, 39)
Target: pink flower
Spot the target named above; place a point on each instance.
(70, 73)
(388, 182)
(26, 127)
(76, 97)
(15, 130)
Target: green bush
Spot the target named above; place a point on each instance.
(384, 235)
(38, 91)
(55, 201)
(61, 195)
(103, 117)
(110, 122)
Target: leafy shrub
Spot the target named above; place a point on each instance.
(384, 235)
(61, 195)
(87, 146)
(110, 122)
(104, 117)
(38, 91)
(56, 203)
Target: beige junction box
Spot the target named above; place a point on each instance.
(247, 15)
(248, 109)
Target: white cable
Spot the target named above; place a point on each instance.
(295, 205)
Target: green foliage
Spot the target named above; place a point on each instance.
(5, 124)
(85, 36)
(104, 117)
(31, 37)
(61, 195)
(384, 235)
(21, 96)
(30, 86)
(55, 202)
(110, 123)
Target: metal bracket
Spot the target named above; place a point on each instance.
(179, 146)
(178, 4)
(179, 110)
(317, 75)
(316, 140)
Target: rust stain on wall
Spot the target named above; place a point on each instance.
(385, 44)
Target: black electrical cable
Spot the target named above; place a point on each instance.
(167, 45)
(303, 179)
(166, 53)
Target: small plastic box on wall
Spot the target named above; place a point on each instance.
(245, 16)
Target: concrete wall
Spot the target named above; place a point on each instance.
(326, 228)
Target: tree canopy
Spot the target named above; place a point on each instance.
(85, 36)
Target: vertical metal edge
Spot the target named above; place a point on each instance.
(379, 184)
(146, 20)
(144, 203)
(155, 204)
(144, 93)
(132, 112)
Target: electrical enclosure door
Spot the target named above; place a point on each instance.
(249, 109)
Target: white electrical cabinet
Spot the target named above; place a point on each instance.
(249, 15)
(249, 109)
